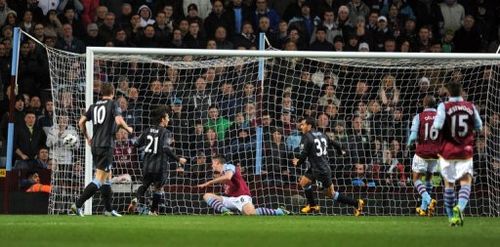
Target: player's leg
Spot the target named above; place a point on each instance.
(103, 164)
(89, 191)
(139, 201)
(448, 173)
(157, 195)
(463, 197)
(107, 197)
(431, 169)
(358, 204)
(306, 183)
(419, 167)
(216, 202)
(246, 207)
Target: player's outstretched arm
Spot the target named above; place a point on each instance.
(222, 179)
(478, 123)
(415, 125)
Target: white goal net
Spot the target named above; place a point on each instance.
(233, 106)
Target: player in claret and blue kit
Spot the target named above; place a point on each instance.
(457, 119)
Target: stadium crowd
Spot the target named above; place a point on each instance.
(217, 110)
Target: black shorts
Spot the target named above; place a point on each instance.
(103, 158)
(156, 179)
(324, 178)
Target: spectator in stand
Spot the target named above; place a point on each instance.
(353, 44)
(405, 46)
(453, 15)
(329, 96)
(330, 26)
(372, 22)
(89, 11)
(53, 24)
(70, 16)
(146, 16)
(262, 9)
(219, 124)
(170, 16)
(229, 102)
(32, 183)
(45, 121)
(19, 114)
(246, 38)
(27, 23)
(128, 114)
(202, 8)
(389, 93)
(357, 8)
(108, 28)
(468, 38)
(199, 168)
(61, 154)
(42, 159)
(32, 6)
(276, 158)
(148, 38)
(39, 32)
(239, 13)
(221, 39)
(293, 9)
(193, 14)
(121, 39)
(359, 141)
(180, 125)
(176, 41)
(36, 106)
(381, 34)
(30, 71)
(436, 46)
(162, 28)
(390, 45)
(125, 157)
(195, 38)
(68, 42)
(211, 144)
(28, 139)
(305, 21)
(343, 22)
(92, 37)
(218, 17)
(320, 43)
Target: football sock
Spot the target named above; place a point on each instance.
(463, 196)
(426, 198)
(449, 201)
(106, 196)
(344, 199)
(308, 190)
(217, 205)
(88, 192)
(428, 187)
(156, 201)
(269, 211)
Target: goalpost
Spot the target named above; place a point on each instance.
(363, 100)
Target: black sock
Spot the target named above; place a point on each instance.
(140, 194)
(309, 195)
(87, 193)
(156, 201)
(106, 196)
(347, 200)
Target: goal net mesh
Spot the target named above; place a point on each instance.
(221, 105)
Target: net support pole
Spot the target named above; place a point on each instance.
(258, 130)
(89, 100)
(10, 129)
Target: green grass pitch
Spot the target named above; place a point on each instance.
(238, 231)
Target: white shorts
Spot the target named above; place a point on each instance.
(452, 170)
(420, 165)
(233, 203)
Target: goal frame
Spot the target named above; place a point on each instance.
(92, 51)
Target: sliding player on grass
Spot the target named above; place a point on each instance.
(236, 192)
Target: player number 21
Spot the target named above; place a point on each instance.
(320, 146)
(152, 141)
